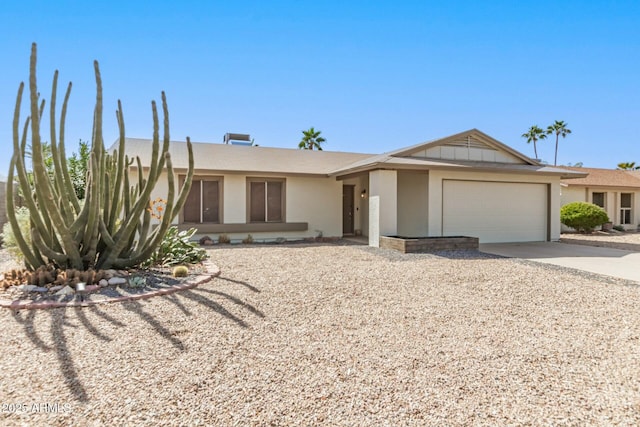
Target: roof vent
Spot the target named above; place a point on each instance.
(237, 139)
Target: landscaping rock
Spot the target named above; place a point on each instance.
(108, 274)
(40, 289)
(206, 241)
(56, 288)
(91, 288)
(103, 283)
(67, 290)
(117, 281)
(26, 288)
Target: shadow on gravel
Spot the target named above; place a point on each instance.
(59, 325)
(67, 366)
(239, 282)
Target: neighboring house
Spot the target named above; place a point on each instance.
(466, 184)
(616, 191)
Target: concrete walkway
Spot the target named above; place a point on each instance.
(607, 261)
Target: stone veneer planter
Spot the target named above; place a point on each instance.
(428, 244)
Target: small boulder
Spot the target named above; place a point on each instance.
(117, 281)
(206, 241)
(103, 283)
(67, 290)
(56, 288)
(108, 274)
(26, 288)
(40, 289)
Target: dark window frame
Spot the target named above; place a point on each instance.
(197, 182)
(252, 184)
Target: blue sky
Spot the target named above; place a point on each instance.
(371, 75)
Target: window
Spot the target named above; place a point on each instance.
(625, 208)
(203, 201)
(266, 200)
(599, 199)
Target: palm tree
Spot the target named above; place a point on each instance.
(311, 140)
(628, 166)
(534, 134)
(559, 127)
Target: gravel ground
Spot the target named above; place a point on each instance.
(629, 241)
(336, 335)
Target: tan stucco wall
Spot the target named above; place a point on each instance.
(435, 195)
(317, 201)
(413, 190)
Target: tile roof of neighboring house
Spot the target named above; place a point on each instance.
(605, 178)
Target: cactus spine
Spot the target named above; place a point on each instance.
(113, 227)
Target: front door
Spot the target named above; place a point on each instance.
(347, 209)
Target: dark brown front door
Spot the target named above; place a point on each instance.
(347, 209)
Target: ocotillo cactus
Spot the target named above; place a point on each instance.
(113, 227)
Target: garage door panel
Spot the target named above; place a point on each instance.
(495, 211)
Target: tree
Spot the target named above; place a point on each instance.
(628, 166)
(78, 166)
(311, 140)
(534, 134)
(559, 128)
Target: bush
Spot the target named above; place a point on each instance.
(583, 217)
(8, 237)
(176, 248)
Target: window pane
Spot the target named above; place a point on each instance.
(274, 201)
(625, 200)
(257, 202)
(598, 199)
(210, 201)
(192, 204)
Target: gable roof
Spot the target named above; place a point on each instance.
(605, 178)
(227, 158)
(418, 157)
(237, 158)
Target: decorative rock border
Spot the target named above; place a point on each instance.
(212, 272)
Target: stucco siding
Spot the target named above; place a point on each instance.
(317, 201)
(412, 204)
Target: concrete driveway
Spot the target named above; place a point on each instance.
(607, 261)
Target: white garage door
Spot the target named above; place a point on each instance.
(495, 211)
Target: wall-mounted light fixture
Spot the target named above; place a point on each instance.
(363, 194)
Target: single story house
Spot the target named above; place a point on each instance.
(465, 184)
(616, 191)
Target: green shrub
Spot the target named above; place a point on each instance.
(8, 237)
(618, 228)
(176, 248)
(583, 217)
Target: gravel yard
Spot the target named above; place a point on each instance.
(336, 335)
(629, 241)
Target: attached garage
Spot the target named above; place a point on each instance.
(495, 211)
